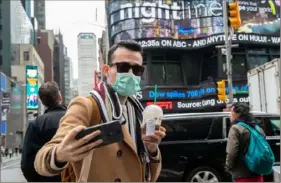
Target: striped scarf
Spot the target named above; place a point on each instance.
(129, 114)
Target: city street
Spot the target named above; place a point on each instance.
(10, 170)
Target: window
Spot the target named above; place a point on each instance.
(166, 69)
(259, 121)
(257, 57)
(272, 126)
(26, 55)
(173, 73)
(189, 129)
(275, 123)
(275, 53)
(144, 77)
(158, 73)
(239, 66)
(209, 67)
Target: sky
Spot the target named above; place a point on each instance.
(73, 17)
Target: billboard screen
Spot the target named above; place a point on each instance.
(191, 23)
(31, 87)
(3, 82)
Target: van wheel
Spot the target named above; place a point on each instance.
(203, 174)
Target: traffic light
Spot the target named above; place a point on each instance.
(234, 19)
(221, 90)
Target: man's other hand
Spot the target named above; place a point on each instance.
(152, 141)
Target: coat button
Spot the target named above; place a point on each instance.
(119, 153)
(117, 180)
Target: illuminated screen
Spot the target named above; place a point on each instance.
(191, 20)
(31, 87)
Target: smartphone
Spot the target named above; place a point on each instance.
(111, 132)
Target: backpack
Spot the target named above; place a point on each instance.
(259, 157)
(68, 174)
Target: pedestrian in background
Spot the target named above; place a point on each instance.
(237, 145)
(10, 153)
(6, 152)
(42, 130)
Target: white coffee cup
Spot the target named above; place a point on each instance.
(152, 119)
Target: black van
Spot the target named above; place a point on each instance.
(195, 145)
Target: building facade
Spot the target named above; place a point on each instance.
(180, 54)
(29, 57)
(59, 57)
(87, 62)
(17, 29)
(40, 13)
(1, 34)
(68, 84)
(45, 48)
(75, 88)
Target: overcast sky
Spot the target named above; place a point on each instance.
(73, 17)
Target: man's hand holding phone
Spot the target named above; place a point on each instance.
(72, 150)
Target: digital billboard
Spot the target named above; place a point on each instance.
(190, 98)
(31, 87)
(191, 24)
(3, 82)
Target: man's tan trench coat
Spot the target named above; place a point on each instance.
(116, 162)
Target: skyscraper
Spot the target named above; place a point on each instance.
(87, 62)
(39, 12)
(59, 57)
(68, 77)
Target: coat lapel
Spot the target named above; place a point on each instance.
(128, 139)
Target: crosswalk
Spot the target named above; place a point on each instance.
(6, 160)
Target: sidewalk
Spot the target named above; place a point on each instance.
(6, 160)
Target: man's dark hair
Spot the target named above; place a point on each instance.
(128, 44)
(49, 94)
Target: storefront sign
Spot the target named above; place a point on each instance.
(31, 87)
(191, 24)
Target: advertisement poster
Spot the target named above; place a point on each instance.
(31, 87)
(191, 22)
(3, 82)
(5, 106)
(17, 99)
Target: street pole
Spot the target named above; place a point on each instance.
(1, 110)
(228, 51)
(280, 75)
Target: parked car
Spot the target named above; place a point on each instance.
(194, 149)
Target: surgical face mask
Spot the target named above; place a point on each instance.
(127, 84)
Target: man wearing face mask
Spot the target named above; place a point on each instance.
(137, 158)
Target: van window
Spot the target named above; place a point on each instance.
(272, 126)
(259, 121)
(188, 129)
